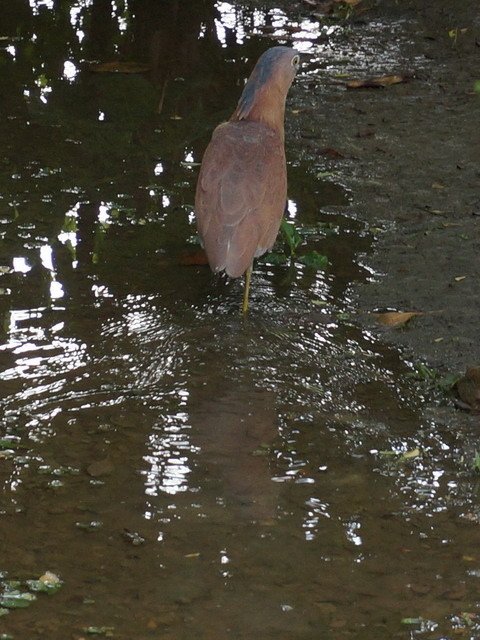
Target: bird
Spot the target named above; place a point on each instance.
(241, 190)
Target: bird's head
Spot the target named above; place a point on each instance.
(272, 75)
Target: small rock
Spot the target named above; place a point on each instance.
(100, 468)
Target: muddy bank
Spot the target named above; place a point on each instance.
(410, 157)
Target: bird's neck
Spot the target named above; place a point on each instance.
(269, 109)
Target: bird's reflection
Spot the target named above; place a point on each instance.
(234, 425)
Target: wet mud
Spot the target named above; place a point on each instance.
(186, 472)
(411, 159)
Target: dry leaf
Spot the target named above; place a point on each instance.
(396, 318)
(460, 278)
(50, 579)
(468, 389)
(420, 589)
(119, 67)
(330, 152)
(408, 455)
(100, 468)
(193, 258)
(323, 7)
(374, 83)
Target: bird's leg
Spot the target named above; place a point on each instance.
(248, 274)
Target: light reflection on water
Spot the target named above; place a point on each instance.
(260, 458)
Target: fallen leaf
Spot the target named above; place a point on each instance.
(193, 258)
(189, 165)
(365, 133)
(325, 174)
(94, 525)
(396, 318)
(99, 631)
(468, 389)
(460, 278)
(119, 67)
(374, 83)
(438, 185)
(17, 599)
(420, 589)
(412, 620)
(338, 623)
(408, 455)
(48, 583)
(50, 579)
(323, 7)
(100, 468)
(457, 592)
(133, 537)
(330, 152)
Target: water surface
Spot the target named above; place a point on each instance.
(185, 471)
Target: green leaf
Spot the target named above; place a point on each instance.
(291, 235)
(48, 583)
(314, 260)
(7, 443)
(94, 525)
(409, 455)
(476, 462)
(274, 258)
(476, 86)
(412, 620)
(17, 599)
(42, 81)
(12, 585)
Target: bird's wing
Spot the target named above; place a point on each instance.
(241, 194)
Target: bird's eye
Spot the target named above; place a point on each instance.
(295, 61)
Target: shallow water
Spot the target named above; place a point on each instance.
(187, 472)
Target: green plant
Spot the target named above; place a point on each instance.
(433, 378)
(292, 238)
(476, 462)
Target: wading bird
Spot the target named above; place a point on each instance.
(242, 185)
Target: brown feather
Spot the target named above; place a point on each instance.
(241, 194)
